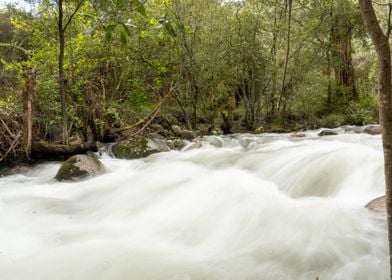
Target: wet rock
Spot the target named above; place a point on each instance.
(176, 130)
(373, 129)
(139, 148)
(79, 167)
(327, 132)
(175, 144)
(353, 129)
(217, 131)
(19, 169)
(377, 205)
(156, 127)
(194, 145)
(298, 134)
(258, 130)
(188, 135)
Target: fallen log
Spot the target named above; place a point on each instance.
(44, 150)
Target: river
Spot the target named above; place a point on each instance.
(266, 206)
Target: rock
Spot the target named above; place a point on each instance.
(156, 127)
(19, 169)
(194, 145)
(259, 130)
(79, 167)
(175, 144)
(176, 130)
(353, 129)
(214, 130)
(298, 134)
(188, 135)
(377, 205)
(156, 136)
(139, 148)
(373, 129)
(327, 132)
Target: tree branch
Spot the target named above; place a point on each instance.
(73, 14)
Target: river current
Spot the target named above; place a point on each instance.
(241, 207)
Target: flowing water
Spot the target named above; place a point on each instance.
(240, 207)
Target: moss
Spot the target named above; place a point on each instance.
(78, 167)
(132, 149)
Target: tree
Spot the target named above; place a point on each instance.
(381, 43)
(341, 42)
(62, 26)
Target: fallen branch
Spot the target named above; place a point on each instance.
(44, 150)
(11, 148)
(148, 119)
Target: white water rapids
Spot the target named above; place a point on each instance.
(241, 207)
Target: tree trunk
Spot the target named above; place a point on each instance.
(286, 60)
(341, 35)
(61, 77)
(28, 112)
(380, 41)
(43, 150)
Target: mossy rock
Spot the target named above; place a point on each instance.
(138, 148)
(327, 132)
(79, 167)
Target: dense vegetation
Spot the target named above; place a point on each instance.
(99, 67)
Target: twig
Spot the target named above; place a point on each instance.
(6, 128)
(151, 116)
(158, 109)
(11, 148)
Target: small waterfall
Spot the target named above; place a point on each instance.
(236, 207)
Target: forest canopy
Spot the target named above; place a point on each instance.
(254, 65)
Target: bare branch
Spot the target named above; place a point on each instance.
(73, 14)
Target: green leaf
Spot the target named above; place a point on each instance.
(109, 32)
(126, 29)
(139, 7)
(169, 28)
(124, 38)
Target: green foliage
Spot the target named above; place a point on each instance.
(365, 111)
(333, 120)
(122, 57)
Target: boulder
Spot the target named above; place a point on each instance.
(373, 129)
(156, 127)
(298, 134)
(216, 131)
(377, 205)
(327, 132)
(176, 130)
(175, 144)
(79, 167)
(258, 130)
(188, 135)
(353, 129)
(139, 148)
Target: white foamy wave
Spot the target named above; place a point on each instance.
(240, 207)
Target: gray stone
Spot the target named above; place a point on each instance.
(176, 130)
(327, 132)
(188, 135)
(79, 167)
(298, 134)
(373, 129)
(175, 144)
(377, 205)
